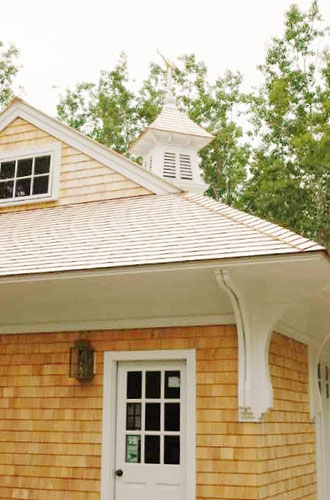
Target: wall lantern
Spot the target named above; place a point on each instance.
(81, 361)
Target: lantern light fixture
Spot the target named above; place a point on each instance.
(82, 361)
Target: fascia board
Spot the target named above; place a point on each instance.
(213, 264)
(121, 324)
(111, 159)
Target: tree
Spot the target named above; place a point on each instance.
(111, 113)
(105, 111)
(290, 167)
(8, 71)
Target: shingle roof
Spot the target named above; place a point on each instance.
(133, 231)
(171, 119)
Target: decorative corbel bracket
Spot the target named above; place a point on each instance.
(255, 318)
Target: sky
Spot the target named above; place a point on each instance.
(63, 42)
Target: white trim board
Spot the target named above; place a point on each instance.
(20, 109)
(111, 359)
(119, 324)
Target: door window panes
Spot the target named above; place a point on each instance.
(133, 416)
(152, 417)
(153, 413)
(172, 384)
(133, 449)
(152, 385)
(172, 416)
(152, 450)
(134, 385)
(172, 450)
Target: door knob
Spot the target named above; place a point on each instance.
(119, 472)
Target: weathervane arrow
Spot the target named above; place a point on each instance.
(169, 96)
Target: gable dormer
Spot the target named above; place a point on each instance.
(46, 163)
(170, 144)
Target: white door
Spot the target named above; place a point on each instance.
(150, 433)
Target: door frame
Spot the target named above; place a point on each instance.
(111, 360)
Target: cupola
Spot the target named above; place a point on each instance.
(169, 146)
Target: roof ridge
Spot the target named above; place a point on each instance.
(198, 200)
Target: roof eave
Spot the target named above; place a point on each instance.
(141, 145)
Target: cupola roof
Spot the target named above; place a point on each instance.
(171, 121)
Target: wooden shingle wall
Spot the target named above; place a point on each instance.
(81, 178)
(50, 425)
(287, 458)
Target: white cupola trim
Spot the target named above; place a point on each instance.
(170, 144)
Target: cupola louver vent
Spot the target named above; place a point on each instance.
(185, 167)
(169, 165)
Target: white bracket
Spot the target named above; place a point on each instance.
(255, 318)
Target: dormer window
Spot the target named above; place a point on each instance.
(27, 175)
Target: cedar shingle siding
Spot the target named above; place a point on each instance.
(50, 425)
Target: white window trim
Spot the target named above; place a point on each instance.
(111, 360)
(54, 150)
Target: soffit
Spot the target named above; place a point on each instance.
(105, 300)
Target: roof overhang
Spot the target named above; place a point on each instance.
(152, 137)
(177, 294)
(117, 162)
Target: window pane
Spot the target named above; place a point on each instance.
(7, 170)
(172, 385)
(134, 384)
(6, 189)
(23, 187)
(40, 184)
(133, 449)
(24, 167)
(153, 385)
(172, 416)
(152, 422)
(133, 416)
(42, 164)
(172, 450)
(152, 450)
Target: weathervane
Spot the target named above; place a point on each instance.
(169, 96)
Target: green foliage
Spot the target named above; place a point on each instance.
(105, 111)
(290, 167)
(8, 70)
